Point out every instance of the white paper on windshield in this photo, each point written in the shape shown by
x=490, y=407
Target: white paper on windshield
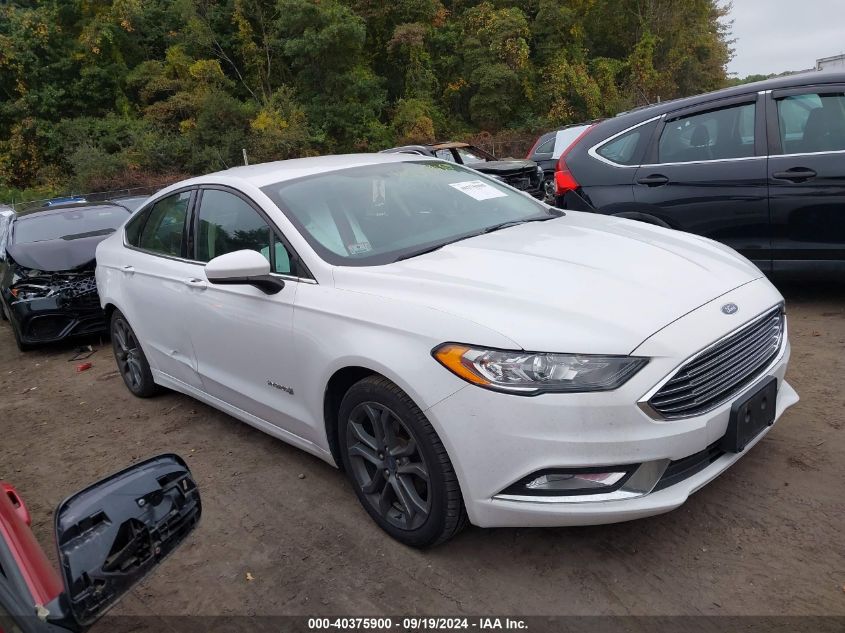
x=478, y=189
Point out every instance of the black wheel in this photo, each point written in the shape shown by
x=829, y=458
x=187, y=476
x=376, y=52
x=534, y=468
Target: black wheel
x=24, y=347
x=398, y=465
x=131, y=362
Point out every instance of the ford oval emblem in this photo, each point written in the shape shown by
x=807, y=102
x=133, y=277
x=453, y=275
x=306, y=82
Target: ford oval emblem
x=730, y=308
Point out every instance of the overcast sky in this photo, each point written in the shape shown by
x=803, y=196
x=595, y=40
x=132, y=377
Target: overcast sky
x=777, y=35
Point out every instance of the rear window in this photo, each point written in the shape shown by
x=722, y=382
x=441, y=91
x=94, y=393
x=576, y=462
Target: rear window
x=566, y=137
x=546, y=147
x=69, y=224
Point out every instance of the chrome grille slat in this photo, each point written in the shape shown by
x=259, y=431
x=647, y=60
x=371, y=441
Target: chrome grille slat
x=737, y=377
x=750, y=341
x=684, y=383
x=717, y=373
x=761, y=348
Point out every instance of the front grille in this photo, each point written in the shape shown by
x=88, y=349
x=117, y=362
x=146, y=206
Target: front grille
x=524, y=180
x=681, y=469
x=723, y=369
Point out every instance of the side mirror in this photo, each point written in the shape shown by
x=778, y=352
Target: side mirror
x=243, y=268
x=112, y=534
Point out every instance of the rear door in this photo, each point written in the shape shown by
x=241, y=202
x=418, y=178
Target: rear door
x=806, y=176
x=159, y=287
x=705, y=173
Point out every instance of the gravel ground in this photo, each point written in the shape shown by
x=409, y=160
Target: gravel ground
x=282, y=533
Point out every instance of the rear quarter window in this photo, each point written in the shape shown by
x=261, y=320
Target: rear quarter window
x=622, y=150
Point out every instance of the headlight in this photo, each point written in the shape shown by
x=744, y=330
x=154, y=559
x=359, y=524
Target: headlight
x=29, y=291
x=528, y=373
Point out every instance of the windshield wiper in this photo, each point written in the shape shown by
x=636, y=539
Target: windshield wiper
x=430, y=249
x=510, y=223
x=489, y=229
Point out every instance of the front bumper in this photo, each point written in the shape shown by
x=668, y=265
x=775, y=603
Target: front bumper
x=496, y=439
x=56, y=318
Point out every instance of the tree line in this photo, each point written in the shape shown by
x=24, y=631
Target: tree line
x=111, y=93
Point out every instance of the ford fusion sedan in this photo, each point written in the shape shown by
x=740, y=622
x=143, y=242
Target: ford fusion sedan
x=463, y=351
x=47, y=287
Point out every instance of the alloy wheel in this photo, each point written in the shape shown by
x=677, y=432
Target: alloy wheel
x=387, y=464
x=128, y=354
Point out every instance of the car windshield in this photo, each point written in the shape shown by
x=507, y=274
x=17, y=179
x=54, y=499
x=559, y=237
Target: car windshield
x=377, y=214
x=69, y=224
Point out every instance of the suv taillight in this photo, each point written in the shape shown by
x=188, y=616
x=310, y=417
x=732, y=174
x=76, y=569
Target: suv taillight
x=564, y=180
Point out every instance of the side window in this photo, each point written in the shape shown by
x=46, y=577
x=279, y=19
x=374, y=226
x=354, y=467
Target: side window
x=713, y=135
x=812, y=123
x=621, y=149
x=227, y=223
x=165, y=227
x=445, y=154
x=134, y=226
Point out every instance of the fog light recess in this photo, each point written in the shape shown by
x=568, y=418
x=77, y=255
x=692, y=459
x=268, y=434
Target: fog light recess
x=572, y=481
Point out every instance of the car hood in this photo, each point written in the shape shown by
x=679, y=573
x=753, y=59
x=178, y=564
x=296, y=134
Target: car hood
x=582, y=283
x=502, y=167
x=56, y=255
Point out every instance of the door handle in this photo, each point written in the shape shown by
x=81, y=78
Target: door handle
x=796, y=174
x=128, y=269
x=654, y=180
x=195, y=282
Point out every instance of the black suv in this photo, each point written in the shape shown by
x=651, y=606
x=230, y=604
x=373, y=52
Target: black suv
x=760, y=167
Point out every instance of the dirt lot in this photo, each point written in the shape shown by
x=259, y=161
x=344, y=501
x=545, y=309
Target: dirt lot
x=765, y=538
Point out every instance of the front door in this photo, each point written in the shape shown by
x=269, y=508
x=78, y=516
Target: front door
x=806, y=175
x=707, y=175
x=242, y=336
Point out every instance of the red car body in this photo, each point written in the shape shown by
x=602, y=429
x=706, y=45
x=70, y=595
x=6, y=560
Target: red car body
x=41, y=578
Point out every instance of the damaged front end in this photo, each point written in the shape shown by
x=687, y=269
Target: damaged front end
x=524, y=175
x=50, y=306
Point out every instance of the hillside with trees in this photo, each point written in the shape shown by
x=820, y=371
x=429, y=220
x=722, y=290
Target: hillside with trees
x=97, y=94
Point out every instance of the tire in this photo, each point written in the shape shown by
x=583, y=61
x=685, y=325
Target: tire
x=131, y=362
x=23, y=347
x=397, y=464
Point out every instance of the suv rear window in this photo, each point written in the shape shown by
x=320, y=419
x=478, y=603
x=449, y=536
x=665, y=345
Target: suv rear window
x=712, y=135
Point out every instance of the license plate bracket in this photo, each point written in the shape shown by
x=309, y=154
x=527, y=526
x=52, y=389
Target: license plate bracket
x=750, y=415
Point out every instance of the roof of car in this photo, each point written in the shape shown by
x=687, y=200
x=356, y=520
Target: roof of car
x=788, y=81
x=263, y=174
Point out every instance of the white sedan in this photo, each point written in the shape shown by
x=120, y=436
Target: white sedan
x=463, y=351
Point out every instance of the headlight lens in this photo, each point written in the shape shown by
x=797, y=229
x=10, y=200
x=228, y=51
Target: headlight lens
x=528, y=373
x=28, y=291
